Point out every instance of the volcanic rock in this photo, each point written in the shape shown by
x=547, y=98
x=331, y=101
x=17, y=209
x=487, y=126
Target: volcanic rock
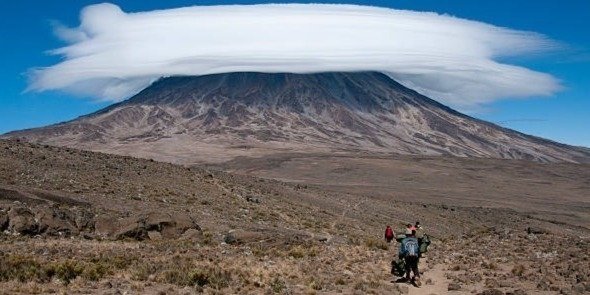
x=22, y=220
x=215, y=118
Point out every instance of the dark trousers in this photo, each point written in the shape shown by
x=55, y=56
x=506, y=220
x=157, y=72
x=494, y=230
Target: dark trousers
x=412, y=266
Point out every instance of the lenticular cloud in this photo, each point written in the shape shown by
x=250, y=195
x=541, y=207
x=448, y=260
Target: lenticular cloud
x=113, y=55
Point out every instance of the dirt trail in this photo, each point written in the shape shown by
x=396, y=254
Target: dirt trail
x=439, y=282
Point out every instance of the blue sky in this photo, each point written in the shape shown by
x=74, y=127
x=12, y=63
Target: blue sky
x=26, y=33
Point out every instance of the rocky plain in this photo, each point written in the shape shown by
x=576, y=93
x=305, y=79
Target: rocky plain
x=80, y=222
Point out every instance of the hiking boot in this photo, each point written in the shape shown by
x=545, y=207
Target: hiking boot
x=417, y=282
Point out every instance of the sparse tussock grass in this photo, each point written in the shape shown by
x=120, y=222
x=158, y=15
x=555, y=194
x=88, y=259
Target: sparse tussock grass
x=297, y=252
x=490, y=265
x=518, y=270
x=456, y=267
x=28, y=269
x=23, y=269
x=301, y=251
x=278, y=285
x=141, y=271
x=375, y=244
x=207, y=238
x=315, y=284
x=188, y=274
x=360, y=286
x=65, y=271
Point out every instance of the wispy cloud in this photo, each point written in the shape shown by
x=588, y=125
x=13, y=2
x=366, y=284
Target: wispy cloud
x=113, y=54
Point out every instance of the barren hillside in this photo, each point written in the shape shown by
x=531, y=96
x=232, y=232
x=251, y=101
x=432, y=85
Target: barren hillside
x=83, y=222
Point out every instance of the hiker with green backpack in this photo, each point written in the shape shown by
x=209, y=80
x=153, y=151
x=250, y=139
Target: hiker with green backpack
x=423, y=239
x=410, y=251
x=398, y=266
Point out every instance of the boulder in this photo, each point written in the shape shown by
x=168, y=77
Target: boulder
x=105, y=226
x=181, y=222
x=536, y=230
x=253, y=199
x=454, y=287
x=156, y=221
x=401, y=289
x=53, y=221
x=491, y=283
x=322, y=239
x=153, y=225
x=22, y=220
x=579, y=288
x=154, y=235
x=83, y=219
x=130, y=227
x=491, y=292
x=3, y=220
x=236, y=237
x=230, y=239
x=191, y=234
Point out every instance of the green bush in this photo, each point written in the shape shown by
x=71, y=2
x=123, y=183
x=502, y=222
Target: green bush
x=66, y=271
x=26, y=269
x=278, y=285
x=21, y=268
x=141, y=271
x=96, y=271
x=210, y=276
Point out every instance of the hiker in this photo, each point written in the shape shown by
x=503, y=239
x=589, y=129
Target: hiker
x=410, y=251
x=389, y=234
x=419, y=232
x=423, y=239
x=409, y=226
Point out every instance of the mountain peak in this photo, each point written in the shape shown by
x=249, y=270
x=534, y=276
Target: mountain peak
x=217, y=117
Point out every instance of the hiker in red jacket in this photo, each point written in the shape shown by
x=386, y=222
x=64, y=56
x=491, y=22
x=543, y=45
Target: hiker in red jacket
x=389, y=234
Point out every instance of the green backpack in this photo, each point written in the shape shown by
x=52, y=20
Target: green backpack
x=398, y=267
x=425, y=244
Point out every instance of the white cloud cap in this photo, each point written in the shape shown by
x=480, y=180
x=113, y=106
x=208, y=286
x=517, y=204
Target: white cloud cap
x=113, y=55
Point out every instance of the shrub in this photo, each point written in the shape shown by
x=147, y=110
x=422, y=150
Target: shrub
x=219, y=278
x=95, y=271
x=375, y=244
x=21, y=268
x=490, y=265
x=315, y=285
x=278, y=285
x=198, y=277
x=142, y=271
x=211, y=276
x=66, y=271
x=518, y=270
x=297, y=252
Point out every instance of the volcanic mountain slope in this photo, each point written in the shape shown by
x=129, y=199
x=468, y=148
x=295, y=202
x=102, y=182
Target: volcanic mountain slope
x=215, y=118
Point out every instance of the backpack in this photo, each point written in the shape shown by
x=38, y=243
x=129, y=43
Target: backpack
x=425, y=244
x=389, y=233
x=398, y=267
x=411, y=246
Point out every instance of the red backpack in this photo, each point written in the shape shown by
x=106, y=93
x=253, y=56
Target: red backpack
x=388, y=233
